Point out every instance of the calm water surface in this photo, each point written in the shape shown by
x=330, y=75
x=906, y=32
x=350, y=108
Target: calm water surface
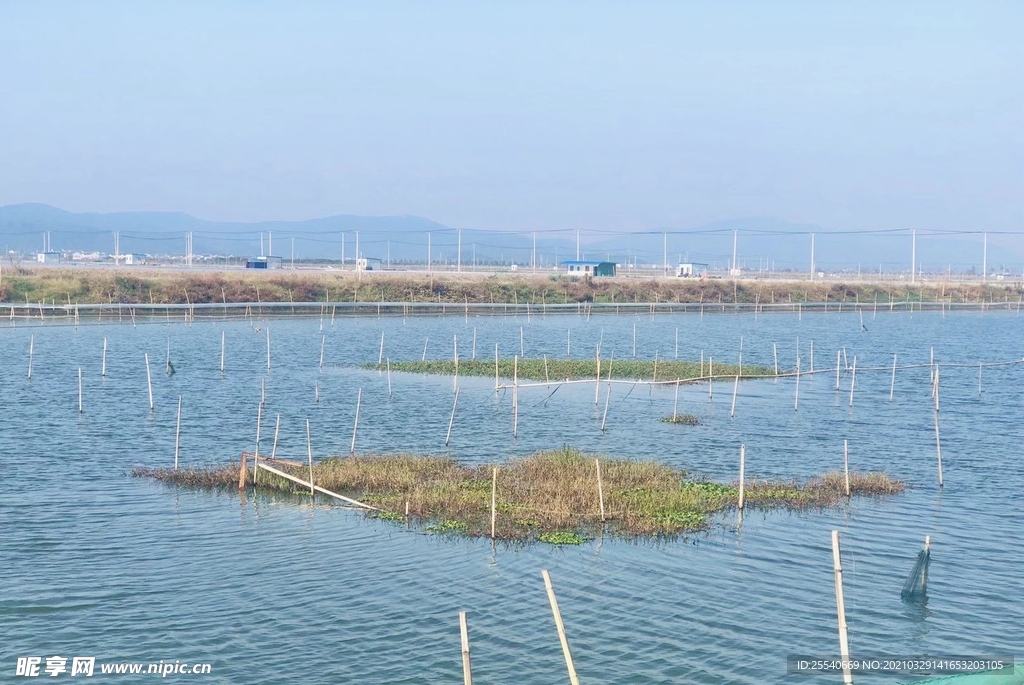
x=97, y=563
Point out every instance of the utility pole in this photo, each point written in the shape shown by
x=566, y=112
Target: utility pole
x=665, y=238
x=913, y=255
x=262, y=253
x=270, y=243
x=735, y=234
x=984, y=257
x=458, y=259
x=357, y=250
x=812, y=257
x=117, y=247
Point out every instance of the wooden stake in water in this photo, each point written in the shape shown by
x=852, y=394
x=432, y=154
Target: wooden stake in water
x=241, y=473
x=775, y=356
x=675, y=401
x=735, y=387
x=811, y=361
x=515, y=397
x=892, y=383
x=316, y=391
x=355, y=426
x=522, y=344
x=31, y=351
x=853, y=378
x=938, y=447
x=79, y=389
x=796, y=393
x=597, y=379
x=844, y=645
x=467, y=670
x=846, y=466
x=177, y=434
x=309, y=451
x=451, y=420
x=424, y=357
x=600, y=488
x=711, y=378
x=256, y=454
x=149, y=382
x=323, y=341
x=494, y=500
x=936, y=390
x=388, y=364
x=277, y=430
x=222, y=334
x=380, y=356
x=103, y=368
x=573, y=679
x=568, y=342
x=838, y=359
x=607, y=399
x=743, y=464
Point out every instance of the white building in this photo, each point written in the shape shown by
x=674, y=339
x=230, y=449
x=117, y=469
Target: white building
x=48, y=257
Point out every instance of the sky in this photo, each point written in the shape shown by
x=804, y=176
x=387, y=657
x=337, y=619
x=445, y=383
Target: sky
x=521, y=116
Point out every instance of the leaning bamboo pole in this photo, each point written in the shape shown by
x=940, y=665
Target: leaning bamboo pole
x=355, y=426
x=600, y=488
x=844, y=644
x=263, y=466
x=573, y=679
x=467, y=670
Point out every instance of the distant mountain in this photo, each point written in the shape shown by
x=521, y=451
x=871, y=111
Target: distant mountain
x=763, y=242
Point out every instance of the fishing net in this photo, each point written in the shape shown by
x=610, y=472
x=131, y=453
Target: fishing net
x=917, y=581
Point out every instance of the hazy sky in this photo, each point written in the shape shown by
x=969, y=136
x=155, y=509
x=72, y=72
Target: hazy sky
x=520, y=115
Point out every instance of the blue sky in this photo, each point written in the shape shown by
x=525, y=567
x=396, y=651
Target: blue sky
x=520, y=116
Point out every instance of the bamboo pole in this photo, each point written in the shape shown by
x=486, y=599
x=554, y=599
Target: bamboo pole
x=380, y=356
x=811, y=353
x=316, y=488
x=546, y=378
x=31, y=351
x=853, y=378
x=573, y=680
x=277, y=430
x=838, y=358
x=846, y=466
x=467, y=671
x=743, y=463
x=256, y=454
x=844, y=645
x=494, y=500
x=424, y=357
x=309, y=451
x=675, y=401
x=149, y=380
x=892, y=383
x=323, y=341
x=455, y=351
x=451, y=420
x=938, y=447
x=515, y=397
x=177, y=435
x=522, y=344
x=936, y=392
x=775, y=355
x=355, y=426
x=711, y=378
x=388, y=363
x=796, y=392
x=735, y=387
x=597, y=380
x=600, y=488
x=103, y=368
x=607, y=399
x=316, y=391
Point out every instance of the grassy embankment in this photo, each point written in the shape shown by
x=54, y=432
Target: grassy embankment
x=580, y=369
x=548, y=496
x=145, y=286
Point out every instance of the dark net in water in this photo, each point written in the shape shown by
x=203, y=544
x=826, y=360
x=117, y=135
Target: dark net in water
x=917, y=581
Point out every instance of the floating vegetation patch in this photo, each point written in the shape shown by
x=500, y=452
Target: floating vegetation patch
x=549, y=497
x=681, y=419
x=554, y=370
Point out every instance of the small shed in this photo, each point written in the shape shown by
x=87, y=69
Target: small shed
x=263, y=263
x=132, y=259
x=589, y=267
x=691, y=270
x=48, y=257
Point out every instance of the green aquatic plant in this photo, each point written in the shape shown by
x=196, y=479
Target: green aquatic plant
x=681, y=419
x=562, y=537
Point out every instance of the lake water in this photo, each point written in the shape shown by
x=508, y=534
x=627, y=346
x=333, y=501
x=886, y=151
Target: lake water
x=98, y=563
